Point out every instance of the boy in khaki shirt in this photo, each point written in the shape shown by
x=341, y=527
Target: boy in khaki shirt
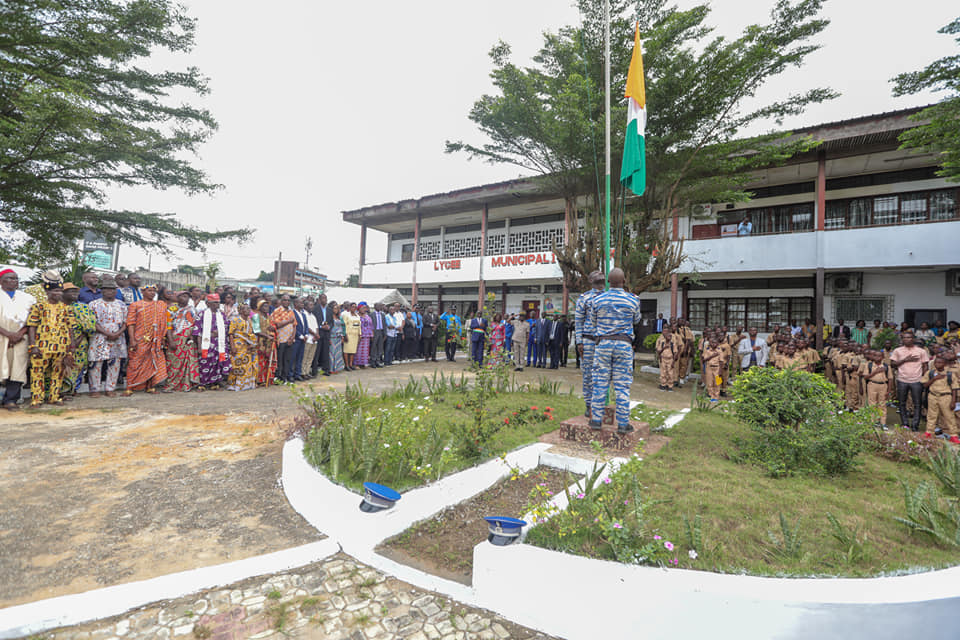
x=668, y=348
x=711, y=366
x=876, y=381
x=942, y=386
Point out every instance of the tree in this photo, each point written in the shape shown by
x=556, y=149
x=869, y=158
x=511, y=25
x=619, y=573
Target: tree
x=353, y=280
x=940, y=131
x=79, y=113
x=211, y=270
x=190, y=270
x=548, y=119
x=265, y=276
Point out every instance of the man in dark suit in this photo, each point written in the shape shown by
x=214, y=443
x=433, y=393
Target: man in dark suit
x=558, y=332
x=379, y=340
x=324, y=314
x=430, y=323
x=543, y=341
x=478, y=337
x=841, y=330
x=661, y=323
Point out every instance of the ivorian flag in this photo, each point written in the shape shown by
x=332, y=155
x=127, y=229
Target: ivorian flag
x=633, y=172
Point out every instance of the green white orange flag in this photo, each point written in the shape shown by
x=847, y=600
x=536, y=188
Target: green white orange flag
x=633, y=171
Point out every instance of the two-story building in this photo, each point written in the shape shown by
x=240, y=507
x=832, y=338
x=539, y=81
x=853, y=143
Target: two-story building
x=857, y=227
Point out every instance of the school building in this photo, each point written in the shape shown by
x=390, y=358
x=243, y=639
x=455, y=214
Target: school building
x=855, y=229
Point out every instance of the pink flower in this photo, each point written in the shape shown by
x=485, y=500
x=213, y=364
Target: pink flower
x=581, y=496
x=617, y=525
x=607, y=481
x=657, y=538
x=668, y=545
x=674, y=561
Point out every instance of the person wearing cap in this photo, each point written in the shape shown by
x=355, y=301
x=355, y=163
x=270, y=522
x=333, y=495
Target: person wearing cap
x=584, y=334
x=146, y=334
x=454, y=328
x=183, y=373
x=266, y=345
x=50, y=341
x=14, y=309
x=210, y=334
x=613, y=316
x=107, y=345
x=84, y=325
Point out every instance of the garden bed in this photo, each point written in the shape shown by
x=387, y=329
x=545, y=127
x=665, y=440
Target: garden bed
x=414, y=436
x=733, y=511
x=443, y=544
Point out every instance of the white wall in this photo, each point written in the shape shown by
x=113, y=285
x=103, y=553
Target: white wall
x=923, y=290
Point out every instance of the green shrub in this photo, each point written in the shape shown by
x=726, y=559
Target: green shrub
x=929, y=515
x=650, y=342
x=880, y=337
x=798, y=423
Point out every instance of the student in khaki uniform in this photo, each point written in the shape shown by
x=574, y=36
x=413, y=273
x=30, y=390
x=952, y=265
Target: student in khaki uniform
x=711, y=367
x=876, y=380
x=850, y=384
x=667, y=348
x=686, y=352
x=942, y=386
x=828, y=371
x=727, y=353
x=734, y=340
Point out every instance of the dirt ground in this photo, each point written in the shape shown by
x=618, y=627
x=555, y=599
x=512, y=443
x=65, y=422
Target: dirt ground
x=112, y=490
x=443, y=544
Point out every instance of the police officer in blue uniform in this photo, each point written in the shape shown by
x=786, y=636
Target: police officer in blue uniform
x=614, y=312
x=584, y=337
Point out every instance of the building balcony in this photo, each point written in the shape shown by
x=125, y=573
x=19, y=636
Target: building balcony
x=495, y=268
x=931, y=244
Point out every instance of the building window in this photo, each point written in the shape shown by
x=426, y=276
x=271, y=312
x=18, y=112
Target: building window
x=854, y=309
x=761, y=313
x=536, y=240
x=406, y=253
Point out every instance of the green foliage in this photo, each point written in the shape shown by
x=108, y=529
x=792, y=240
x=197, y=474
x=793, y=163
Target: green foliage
x=798, y=423
x=650, y=342
x=80, y=113
x=881, y=337
x=693, y=532
x=850, y=540
x=939, y=131
x=72, y=272
x=548, y=118
x=789, y=544
x=654, y=417
x=945, y=466
x=927, y=514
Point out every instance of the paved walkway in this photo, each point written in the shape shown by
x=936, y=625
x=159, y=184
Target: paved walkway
x=338, y=598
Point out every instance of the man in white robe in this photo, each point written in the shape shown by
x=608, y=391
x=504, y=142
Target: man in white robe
x=14, y=358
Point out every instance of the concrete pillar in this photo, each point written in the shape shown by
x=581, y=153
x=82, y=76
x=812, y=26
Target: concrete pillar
x=673, y=276
x=363, y=249
x=821, y=225
x=566, y=240
x=482, y=289
x=416, y=257
x=506, y=236
x=443, y=238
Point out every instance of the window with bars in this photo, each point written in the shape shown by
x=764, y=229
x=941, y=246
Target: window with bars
x=761, y=313
x=429, y=250
x=854, y=309
x=461, y=247
x=496, y=244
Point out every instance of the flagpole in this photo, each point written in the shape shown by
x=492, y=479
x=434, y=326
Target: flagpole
x=606, y=136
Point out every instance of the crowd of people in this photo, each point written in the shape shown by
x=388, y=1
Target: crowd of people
x=917, y=370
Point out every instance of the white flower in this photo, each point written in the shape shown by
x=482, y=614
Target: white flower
x=399, y=444
x=692, y=553
x=446, y=448
x=426, y=397
x=386, y=446
x=415, y=418
x=428, y=466
x=420, y=407
x=400, y=405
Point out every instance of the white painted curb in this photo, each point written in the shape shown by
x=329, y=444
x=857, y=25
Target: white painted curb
x=35, y=617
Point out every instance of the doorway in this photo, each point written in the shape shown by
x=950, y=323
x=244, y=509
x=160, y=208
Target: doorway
x=532, y=308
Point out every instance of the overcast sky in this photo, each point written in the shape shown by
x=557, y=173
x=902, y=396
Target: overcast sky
x=325, y=107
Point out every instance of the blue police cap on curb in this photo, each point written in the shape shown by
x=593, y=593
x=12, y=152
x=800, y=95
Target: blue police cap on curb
x=503, y=530
x=377, y=497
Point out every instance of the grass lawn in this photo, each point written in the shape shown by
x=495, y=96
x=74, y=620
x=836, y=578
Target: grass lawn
x=740, y=507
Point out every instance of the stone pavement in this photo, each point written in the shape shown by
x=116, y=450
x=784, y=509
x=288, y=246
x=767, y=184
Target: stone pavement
x=336, y=599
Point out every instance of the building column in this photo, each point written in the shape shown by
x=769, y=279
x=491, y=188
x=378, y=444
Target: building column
x=482, y=289
x=566, y=241
x=821, y=225
x=506, y=236
x=416, y=256
x=439, y=299
x=503, y=297
x=363, y=250
x=673, y=276
x=443, y=239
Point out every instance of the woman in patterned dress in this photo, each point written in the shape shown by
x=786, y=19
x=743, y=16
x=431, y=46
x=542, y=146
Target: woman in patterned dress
x=84, y=325
x=498, y=334
x=337, y=331
x=243, y=351
x=266, y=345
x=210, y=334
x=182, y=371
x=49, y=341
x=146, y=330
x=229, y=307
x=366, y=335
